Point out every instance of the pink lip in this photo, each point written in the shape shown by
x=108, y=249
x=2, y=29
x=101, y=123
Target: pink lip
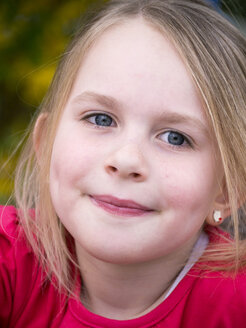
x=119, y=206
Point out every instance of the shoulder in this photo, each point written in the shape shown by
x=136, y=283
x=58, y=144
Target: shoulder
x=14, y=249
x=8, y=218
x=228, y=285
x=13, y=260
x=9, y=228
x=24, y=285
x=22, y=281
x=13, y=242
x=12, y=236
x=222, y=299
x=16, y=256
x=220, y=295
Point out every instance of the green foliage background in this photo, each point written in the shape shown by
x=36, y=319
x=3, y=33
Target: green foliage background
x=32, y=36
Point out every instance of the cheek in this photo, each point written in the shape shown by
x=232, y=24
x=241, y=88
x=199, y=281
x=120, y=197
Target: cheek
x=72, y=163
x=71, y=160
x=184, y=184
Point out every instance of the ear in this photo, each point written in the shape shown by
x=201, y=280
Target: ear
x=221, y=204
x=38, y=133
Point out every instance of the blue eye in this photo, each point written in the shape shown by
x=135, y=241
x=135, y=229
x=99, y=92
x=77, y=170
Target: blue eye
x=100, y=119
x=175, y=139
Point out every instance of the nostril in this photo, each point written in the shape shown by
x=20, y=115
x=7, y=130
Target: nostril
x=135, y=175
x=112, y=168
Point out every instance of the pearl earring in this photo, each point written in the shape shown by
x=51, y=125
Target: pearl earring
x=217, y=216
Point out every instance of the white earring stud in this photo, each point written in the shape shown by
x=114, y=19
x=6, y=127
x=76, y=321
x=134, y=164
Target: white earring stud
x=217, y=216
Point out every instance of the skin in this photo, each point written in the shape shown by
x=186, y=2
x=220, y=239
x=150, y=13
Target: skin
x=133, y=158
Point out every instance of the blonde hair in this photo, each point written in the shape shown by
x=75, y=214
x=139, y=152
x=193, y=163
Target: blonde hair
x=214, y=52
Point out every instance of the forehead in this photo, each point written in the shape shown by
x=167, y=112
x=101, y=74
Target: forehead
x=135, y=62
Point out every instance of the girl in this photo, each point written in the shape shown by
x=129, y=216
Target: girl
x=135, y=159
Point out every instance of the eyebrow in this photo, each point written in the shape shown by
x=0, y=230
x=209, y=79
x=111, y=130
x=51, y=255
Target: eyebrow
x=106, y=101
x=176, y=118
x=170, y=117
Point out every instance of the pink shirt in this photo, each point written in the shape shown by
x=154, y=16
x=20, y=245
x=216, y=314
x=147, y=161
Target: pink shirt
x=212, y=301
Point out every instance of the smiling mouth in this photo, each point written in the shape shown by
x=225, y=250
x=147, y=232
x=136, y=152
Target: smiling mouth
x=119, y=207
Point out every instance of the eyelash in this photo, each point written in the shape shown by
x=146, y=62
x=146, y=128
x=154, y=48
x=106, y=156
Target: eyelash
x=187, y=142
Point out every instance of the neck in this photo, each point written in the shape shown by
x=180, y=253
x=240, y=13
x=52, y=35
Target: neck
x=124, y=292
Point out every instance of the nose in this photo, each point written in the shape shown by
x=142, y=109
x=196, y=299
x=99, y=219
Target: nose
x=127, y=162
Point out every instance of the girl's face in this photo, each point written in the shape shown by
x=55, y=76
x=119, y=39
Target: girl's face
x=133, y=129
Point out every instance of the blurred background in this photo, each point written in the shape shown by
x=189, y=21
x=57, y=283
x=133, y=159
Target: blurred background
x=33, y=34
